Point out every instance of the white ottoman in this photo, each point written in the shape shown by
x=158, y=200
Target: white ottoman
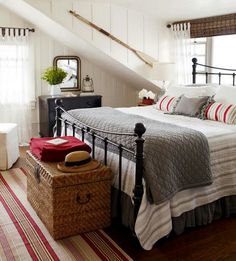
x=9, y=147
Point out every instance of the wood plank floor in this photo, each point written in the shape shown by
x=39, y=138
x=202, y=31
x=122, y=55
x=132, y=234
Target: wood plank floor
x=216, y=241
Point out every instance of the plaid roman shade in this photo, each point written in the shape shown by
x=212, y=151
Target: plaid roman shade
x=212, y=26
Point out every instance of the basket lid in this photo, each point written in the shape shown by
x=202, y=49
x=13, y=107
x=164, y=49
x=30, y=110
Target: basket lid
x=56, y=178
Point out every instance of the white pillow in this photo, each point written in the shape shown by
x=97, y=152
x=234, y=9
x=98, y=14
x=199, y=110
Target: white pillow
x=191, y=91
x=226, y=94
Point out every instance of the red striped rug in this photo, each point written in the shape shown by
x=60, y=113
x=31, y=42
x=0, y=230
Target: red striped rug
x=24, y=237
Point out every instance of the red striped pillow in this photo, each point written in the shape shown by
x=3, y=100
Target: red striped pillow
x=221, y=112
x=167, y=103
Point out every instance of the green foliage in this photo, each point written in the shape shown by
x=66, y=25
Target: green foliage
x=54, y=75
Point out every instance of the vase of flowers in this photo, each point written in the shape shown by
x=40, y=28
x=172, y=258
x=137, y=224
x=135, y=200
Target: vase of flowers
x=54, y=76
x=146, y=97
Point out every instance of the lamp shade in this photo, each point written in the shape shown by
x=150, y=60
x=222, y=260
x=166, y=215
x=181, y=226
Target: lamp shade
x=163, y=71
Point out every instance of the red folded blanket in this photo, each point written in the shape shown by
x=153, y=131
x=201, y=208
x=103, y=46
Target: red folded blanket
x=51, y=152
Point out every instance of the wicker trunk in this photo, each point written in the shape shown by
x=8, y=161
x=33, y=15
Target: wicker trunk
x=69, y=203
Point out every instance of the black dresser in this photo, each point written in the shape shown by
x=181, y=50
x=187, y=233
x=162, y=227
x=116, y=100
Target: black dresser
x=47, y=111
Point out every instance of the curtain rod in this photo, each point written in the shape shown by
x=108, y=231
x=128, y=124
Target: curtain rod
x=17, y=28
x=182, y=22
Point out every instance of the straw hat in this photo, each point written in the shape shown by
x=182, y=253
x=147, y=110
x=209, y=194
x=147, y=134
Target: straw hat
x=78, y=161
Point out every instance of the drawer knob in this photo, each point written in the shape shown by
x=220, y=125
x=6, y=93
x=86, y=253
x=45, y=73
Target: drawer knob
x=89, y=103
x=83, y=199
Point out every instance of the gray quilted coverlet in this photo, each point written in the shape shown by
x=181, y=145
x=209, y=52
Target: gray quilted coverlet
x=176, y=158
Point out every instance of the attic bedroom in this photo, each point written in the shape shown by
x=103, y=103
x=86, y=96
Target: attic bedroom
x=117, y=130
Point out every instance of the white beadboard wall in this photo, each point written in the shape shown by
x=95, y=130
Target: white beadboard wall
x=115, y=92
x=141, y=31
x=138, y=30
x=104, y=83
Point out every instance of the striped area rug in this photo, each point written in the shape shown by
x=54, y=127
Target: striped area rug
x=24, y=237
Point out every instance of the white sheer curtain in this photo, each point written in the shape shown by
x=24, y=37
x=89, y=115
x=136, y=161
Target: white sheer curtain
x=17, y=90
x=182, y=52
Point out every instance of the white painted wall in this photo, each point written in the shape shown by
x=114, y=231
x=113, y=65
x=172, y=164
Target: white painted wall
x=104, y=83
x=134, y=28
x=47, y=48
x=141, y=33
x=138, y=30
x=115, y=92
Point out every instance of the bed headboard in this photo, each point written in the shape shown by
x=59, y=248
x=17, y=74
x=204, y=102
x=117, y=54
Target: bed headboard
x=221, y=71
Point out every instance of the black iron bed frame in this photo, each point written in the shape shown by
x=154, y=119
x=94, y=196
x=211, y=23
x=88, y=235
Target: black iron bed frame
x=139, y=130
x=209, y=72
x=138, y=154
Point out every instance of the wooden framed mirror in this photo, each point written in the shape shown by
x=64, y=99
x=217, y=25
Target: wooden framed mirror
x=71, y=65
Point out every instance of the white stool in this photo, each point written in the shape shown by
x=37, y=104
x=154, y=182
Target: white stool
x=9, y=147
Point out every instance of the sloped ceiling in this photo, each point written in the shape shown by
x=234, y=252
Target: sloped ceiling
x=176, y=10
x=166, y=10
x=86, y=50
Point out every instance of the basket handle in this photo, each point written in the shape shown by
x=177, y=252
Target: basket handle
x=84, y=199
x=37, y=174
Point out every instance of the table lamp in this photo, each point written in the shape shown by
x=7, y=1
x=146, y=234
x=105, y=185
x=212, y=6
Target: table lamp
x=163, y=72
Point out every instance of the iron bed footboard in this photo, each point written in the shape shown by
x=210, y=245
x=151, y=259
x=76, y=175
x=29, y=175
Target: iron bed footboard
x=138, y=154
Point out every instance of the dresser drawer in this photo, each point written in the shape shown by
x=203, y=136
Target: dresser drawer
x=82, y=102
x=71, y=103
x=47, y=110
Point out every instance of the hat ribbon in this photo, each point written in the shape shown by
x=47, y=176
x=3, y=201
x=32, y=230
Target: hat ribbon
x=77, y=163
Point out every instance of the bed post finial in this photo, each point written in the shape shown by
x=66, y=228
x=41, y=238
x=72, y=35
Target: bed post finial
x=58, y=103
x=139, y=130
x=194, y=66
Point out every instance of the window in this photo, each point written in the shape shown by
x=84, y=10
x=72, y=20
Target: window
x=17, y=89
x=199, y=49
x=14, y=64
x=224, y=55
x=218, y=51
